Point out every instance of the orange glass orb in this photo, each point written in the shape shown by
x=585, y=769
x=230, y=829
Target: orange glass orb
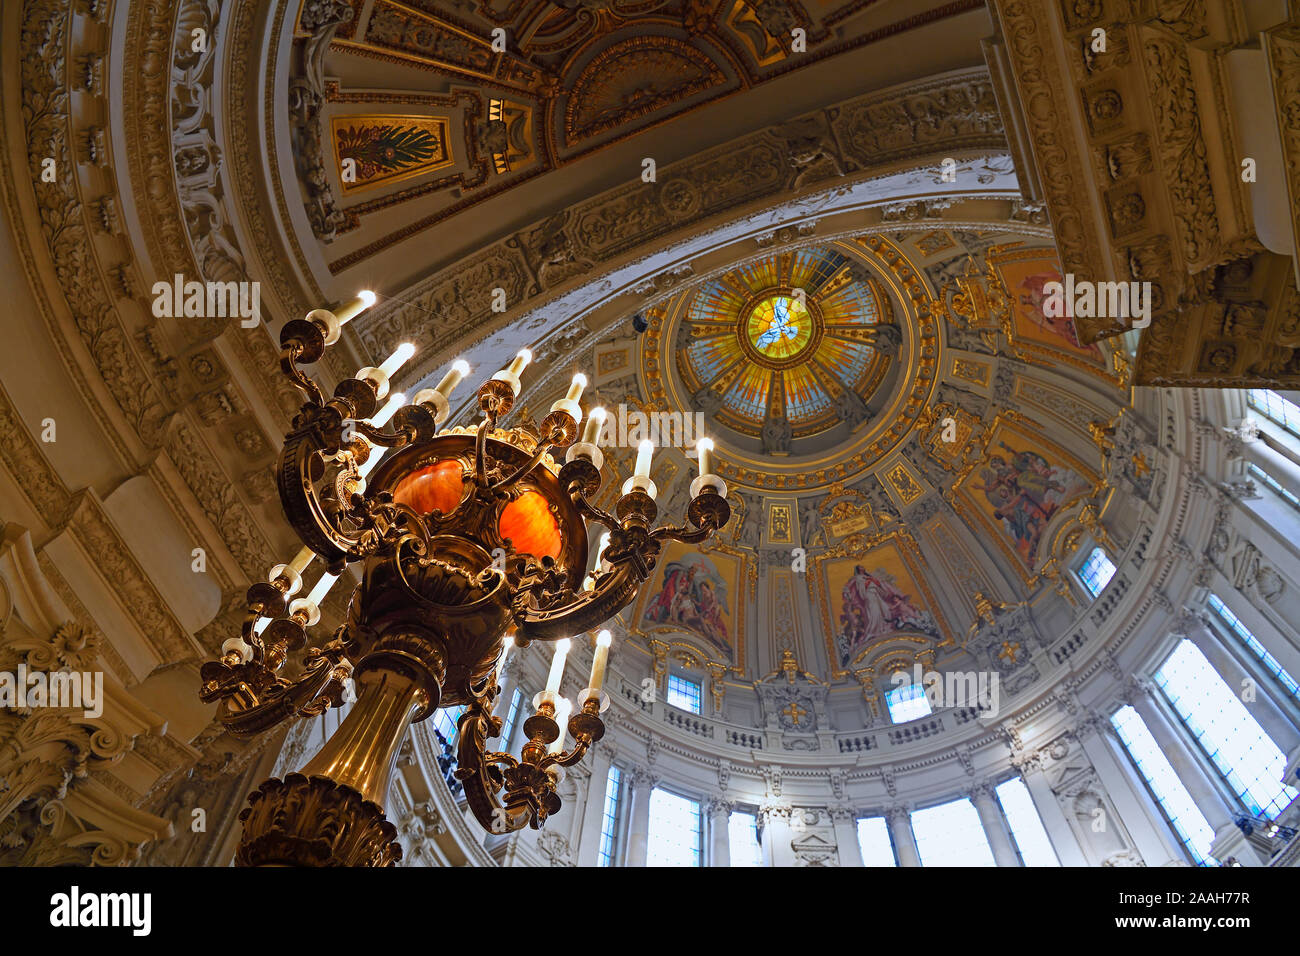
x=436, y=487
x=530, y=526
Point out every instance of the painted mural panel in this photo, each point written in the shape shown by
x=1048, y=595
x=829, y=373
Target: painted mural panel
x=699, y=593
x=1022, y=483
x=388, y=149
x=874, y=595
x=1024, y=276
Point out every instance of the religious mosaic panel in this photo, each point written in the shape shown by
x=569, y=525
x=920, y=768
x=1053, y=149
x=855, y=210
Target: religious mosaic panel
x=1028, y=327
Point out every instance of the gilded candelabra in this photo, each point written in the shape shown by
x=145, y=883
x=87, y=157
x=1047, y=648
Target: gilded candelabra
x=465, y=537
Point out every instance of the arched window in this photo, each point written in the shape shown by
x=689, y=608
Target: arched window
x=684, y=694
x=444, y=721
x=609, y=821
x=1247, y=758
x=1234, y=626
x=675, y=833
x=1027, y=831
x=1177, y=805
x=951, y=834
x=875, y=842
x=512, y=715
x=742, y=837
x=907, y=702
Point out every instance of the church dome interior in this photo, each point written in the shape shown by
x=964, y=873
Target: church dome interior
x=623, y=433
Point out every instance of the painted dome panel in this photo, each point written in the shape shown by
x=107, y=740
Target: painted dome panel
x=747, y=395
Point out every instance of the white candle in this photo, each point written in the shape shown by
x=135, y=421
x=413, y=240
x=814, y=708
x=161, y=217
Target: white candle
x=600, y=549
x=520, y=362
x=302, y=559
x=704, y=449
x=563, y=707
x=557, y=666
x=385, y=414
x=322, y=588
x=643, y=453
x=397, y=359
x=354, y=307
x=459, y=369
x=595, y=421
x=576, y=386
x=601, y=658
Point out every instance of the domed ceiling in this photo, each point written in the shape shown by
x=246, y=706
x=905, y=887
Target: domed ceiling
x=914, y=452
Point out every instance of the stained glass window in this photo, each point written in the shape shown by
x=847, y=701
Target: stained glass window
x=1244, y=754
x=675, y=835
x=796, y=323
x=1096, y=571
x=1171, y=796
x=780, y=327
x=685, y=694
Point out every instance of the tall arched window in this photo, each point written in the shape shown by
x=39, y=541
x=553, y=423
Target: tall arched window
x=1171, y=796
x=675, y=833
x=951, y=834
x=1234, y=626
x=1247, y=758
x=742, y=839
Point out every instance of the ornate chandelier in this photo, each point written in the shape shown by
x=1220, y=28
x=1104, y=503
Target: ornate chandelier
x=468, y=538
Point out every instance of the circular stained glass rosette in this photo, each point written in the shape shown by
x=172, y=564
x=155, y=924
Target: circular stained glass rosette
x=790, y=331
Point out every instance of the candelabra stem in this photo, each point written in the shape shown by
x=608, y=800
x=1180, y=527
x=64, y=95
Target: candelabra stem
x=332, y=813
x=363, y=751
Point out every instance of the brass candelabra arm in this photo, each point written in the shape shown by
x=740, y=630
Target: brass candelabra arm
x=708, y=511
x=482, y=773
x=289, y=356
x=558, y=429
x=586, y=727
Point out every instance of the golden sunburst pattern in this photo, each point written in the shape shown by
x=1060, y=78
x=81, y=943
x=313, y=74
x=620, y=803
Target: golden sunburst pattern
x=782, y=336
